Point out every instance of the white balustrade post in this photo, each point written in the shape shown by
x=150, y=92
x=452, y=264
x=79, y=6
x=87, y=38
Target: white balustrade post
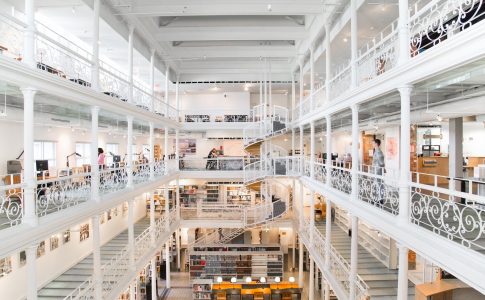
x=300, y=264
x=151, y=141
x=355, y=152
x=167, y=74
x=177, y=99
x=30, y=197
x=311, y=284
x=177, y=244
x=302, y=156
x=95, y=174
x=165, y=150
x=353, y=42
x=312, y=76
x=153, y=267
x=402, y=279
x=405, y=158
x=152, y=79
x=95, y=47
x=328, y=62
x=293, y=97
x=167, y=208
x=152, y=218
x=312, y=217
x=301, y=90
x=133, y=290
x=131, y=37
x=403, y=25
x=131, y=233
x=29, y=34
x=97, y=275
x=177, y=149
x=328, y=232
x=354, y=257
x=167, y=255
x=177, y=197
x=31, y=264
x=270, y=91
x=328, y=161
x=327, y=291
x=312, y=149
x=129, y=151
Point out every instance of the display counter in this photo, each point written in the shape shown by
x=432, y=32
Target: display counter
x=433, y=165
x=256, y=291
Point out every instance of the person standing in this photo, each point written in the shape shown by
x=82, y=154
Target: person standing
x=378, y=169
x=101, y=158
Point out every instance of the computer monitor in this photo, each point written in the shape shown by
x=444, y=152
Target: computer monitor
x=116, y=158
x=42, y=165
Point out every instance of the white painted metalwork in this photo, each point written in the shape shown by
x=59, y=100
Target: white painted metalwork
x=341, y=177
x=340, y=83
x=379, y=187
x=11, y=204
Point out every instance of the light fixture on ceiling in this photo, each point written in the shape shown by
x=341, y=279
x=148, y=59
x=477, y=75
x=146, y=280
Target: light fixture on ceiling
x=248, y=279
x=277, y=279
x=73, y=10
x=262, y=279
x=345, y=40
x=286, y=140
x=270, y=8
x=439, y=118
x=219, y=279
x=246, y=88
x=233, y=280
x=292, y=279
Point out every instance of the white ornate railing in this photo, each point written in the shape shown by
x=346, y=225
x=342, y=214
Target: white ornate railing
x=11, y=36
x=340, y=83
x=254, y=171
x=286, y=166
x=11, y=204
x=213, y=211
x=341, y=177
x=379, y=187
x=320, y=170
x=113, y=179
x=234, y=163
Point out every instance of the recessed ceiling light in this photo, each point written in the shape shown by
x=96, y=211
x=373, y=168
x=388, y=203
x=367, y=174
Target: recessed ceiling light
x=345, y=40
x=269, y=7
x=372, y=28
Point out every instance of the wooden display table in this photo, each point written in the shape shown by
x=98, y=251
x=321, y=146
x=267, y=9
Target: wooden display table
x=439, y=290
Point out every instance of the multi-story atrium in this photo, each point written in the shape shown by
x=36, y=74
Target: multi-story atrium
x=242, y=149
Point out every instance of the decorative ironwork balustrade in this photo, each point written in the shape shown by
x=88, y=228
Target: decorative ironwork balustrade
x=340, y=83
x=11, y=204
x=341, y=178
x=379, y=187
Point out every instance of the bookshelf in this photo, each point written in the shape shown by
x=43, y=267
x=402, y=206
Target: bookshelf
x=201, y=289
x=212, y=193
x=237, y=195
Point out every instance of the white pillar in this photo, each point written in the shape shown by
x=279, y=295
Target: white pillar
x=405, y=159
x=311, y=284
x=293, y=97
x=328, y=232
x=129, y=150
x=167, y=207
x=151, y=140
x=152, y=218
x=270, y=90
x=95, y=174
x=312, y=216
x=355, y=152
x=302, y=90
x=152, y=79
x=403, y=25
x=167, y=74
x=328, y=161
x=312, y=77
x=177, y=99
x=167, y=255
x=293, y=144
x=300, y=265
x=322, y=284
x=312, y=149
x=327, y=291
x=29, y=34
x=177, y=197
x=31, y=264
x=165, y=149
x=97, y=275
x=95, y=47
x=354, y=246
x=328, y=57
x=455, y=151
x=353, y=42
x=30, y=197
x=153, y=266
x=177, y=149
x=131, y=233
x=177, y=244
x=132, y=290
x=293, y=253
x=131, y=35
x=302, y=156
x=402, y=280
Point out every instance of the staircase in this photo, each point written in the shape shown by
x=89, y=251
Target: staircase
x=63, y=285
x=382, y=282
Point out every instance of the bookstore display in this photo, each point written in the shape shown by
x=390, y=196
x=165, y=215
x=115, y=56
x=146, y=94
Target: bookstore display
x=238, y=195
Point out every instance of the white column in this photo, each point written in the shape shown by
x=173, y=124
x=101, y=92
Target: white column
x=131, y=233
x=153, y=266
x=131, y=35
x=312, y=216
x=129, y=150
x=152, y=218
x=328, y=232
x=94, y=154
x=302, y=89
x=177, y=244
x=293, y=144
x=167, y=255
x=132, y=290
x=165, y=149
x=177, y=99
x=355, y=152
x=312, y=76
x=29, y=34
x=167, y=207
x=311, y=284
x=261, y=108
x=354, y=256
x=177, y=197
x=328, y=161
x=152, y=78
x=31, y=264
x=353, y=42
x=455, y=151
x=151, y=140
x=327, y=291
x=302, y=156
x=167, y=74
x=97, y=275
x=300, y=266
x=270, y=91
x=328, y=57
x=95, y=47
x=405, y=158
x=30, y=198
x=402, y=280
x=177, y=149
x=322, y=284
x=293, y=97
x=293, y=253
x=403, y=25
x=312, y=149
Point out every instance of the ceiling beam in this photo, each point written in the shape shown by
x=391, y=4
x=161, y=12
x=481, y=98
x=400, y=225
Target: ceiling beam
x=223, y=8
x=166, y=34
x=233, y=52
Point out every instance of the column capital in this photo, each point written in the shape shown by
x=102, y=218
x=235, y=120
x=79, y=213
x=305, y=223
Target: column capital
x=129, y=118
x=95, y=108
x=131, y=29
x=151, y=124
x=328, y=118
x=401, y=247
x=28, y=90
x=355, y=107
x=405, y=88
x=153, y=52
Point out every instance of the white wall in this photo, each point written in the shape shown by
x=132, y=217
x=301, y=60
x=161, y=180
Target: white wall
x=278, y=99
x=54, y=263
x=234, y=102
x=473, y=138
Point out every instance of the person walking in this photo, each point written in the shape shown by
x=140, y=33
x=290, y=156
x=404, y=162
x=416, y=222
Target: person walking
x=378, y=169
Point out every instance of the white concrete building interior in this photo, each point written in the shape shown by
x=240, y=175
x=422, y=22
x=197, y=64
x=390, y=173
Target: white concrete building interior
x=242, y=149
